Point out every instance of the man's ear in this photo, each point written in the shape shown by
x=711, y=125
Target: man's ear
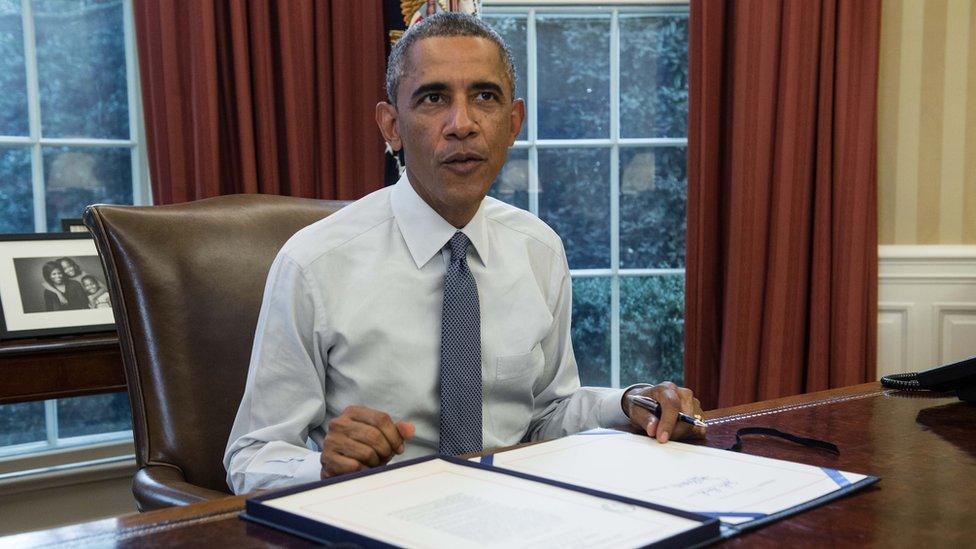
x=386, y=117
x=517, y=117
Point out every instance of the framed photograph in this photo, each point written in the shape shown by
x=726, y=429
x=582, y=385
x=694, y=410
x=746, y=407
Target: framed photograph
x=52, y=284
x=73, y=225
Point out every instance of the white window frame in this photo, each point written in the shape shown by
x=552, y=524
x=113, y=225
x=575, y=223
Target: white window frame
x=140, y=179
x=141, y=194
x=614, y=143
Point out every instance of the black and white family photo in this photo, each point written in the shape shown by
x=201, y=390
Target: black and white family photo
x=61, y=283
x=52, y=284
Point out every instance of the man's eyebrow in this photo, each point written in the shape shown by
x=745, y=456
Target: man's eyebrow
x=424, y=89
x=487, y=85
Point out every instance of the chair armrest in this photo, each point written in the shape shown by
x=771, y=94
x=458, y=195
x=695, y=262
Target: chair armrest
x=157, y=486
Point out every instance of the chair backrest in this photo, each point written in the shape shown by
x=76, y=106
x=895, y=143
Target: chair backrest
x=186, y=283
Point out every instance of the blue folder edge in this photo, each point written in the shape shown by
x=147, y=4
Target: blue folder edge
x=255, y=510
x=729, y=530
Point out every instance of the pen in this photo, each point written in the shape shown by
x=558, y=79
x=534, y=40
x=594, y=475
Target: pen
x=654, y=407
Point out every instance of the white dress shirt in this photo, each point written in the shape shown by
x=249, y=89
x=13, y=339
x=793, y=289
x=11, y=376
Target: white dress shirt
x=352, y=315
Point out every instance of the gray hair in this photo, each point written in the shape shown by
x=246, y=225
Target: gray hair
x=443, y=24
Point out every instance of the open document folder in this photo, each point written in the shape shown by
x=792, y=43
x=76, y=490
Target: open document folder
x=446, y=502
x=741, y=490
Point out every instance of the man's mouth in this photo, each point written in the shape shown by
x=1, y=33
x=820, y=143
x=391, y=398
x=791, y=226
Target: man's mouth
x=462, y=162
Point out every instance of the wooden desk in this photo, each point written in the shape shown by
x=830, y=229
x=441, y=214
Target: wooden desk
x=922, y=446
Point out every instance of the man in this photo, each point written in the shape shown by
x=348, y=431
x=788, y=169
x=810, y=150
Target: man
x=424, y=317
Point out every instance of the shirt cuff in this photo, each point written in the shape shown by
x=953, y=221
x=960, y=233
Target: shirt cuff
x=310, y=469
x=629, y=387
x=611, y=414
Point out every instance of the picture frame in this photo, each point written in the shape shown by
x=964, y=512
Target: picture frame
x=39, y=295
x=73, y=225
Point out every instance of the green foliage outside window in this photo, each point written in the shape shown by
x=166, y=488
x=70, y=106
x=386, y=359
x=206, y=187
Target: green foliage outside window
x=652, y=329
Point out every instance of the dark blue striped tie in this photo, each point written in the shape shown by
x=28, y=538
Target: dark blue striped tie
x=460, y=423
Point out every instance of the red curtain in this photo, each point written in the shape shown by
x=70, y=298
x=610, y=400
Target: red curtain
x=781, y=288
x=261, y=96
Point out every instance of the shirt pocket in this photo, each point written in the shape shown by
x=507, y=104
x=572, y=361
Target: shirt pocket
x=520, y=366
x=510, y=401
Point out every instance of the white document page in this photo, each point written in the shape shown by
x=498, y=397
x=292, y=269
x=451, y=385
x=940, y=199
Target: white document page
x=730, y=486
x=441, y=504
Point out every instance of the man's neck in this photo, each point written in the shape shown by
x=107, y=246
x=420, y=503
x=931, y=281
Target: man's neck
x=455, y=216
x=459, y=221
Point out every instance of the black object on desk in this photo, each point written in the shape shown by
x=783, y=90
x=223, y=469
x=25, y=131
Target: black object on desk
x=958, y=376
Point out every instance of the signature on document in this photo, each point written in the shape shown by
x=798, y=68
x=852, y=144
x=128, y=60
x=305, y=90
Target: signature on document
x=700, y=486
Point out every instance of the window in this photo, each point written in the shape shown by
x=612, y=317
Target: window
x=70, y=125
x=601, y=159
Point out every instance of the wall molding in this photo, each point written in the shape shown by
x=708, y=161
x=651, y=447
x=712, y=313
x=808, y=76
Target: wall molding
x=942, y=314
x=926, y=306
x=926, y=253
x=897, y=316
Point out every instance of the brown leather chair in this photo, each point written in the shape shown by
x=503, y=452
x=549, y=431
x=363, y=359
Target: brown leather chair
x=186, y=283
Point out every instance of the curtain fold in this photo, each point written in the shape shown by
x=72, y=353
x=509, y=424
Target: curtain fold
x=781, y=284
x=261, y=97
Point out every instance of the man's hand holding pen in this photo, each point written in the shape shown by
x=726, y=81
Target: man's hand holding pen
x=664, y=411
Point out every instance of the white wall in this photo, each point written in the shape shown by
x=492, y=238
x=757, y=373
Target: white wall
x=926, y=306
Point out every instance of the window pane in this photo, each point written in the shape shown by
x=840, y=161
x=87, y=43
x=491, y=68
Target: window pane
x=79, y=176
x=16, y=194
x=13, y=77
x=574, y=199
x=654, y=76
x=91, y=415
x=591, y=329
x=574, y=76
x=81, y=68
x=512, y=30
x=20, y=423
x=652, y=329
x=653, y=192
x=512, y=184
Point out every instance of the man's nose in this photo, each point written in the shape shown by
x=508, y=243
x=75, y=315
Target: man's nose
x=461, y=123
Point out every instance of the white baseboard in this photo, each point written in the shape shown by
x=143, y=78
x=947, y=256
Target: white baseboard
x=926, y=306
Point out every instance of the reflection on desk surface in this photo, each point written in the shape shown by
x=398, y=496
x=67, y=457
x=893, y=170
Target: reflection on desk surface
x=954, y=423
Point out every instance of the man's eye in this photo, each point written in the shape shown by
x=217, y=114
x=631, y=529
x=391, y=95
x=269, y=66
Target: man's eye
x=433, y=98
x=487, y=96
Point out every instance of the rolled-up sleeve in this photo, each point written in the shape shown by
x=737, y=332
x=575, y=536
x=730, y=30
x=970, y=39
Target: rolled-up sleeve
x=283, y=401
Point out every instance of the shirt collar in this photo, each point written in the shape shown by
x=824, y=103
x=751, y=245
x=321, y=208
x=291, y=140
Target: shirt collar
x=426, y=232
